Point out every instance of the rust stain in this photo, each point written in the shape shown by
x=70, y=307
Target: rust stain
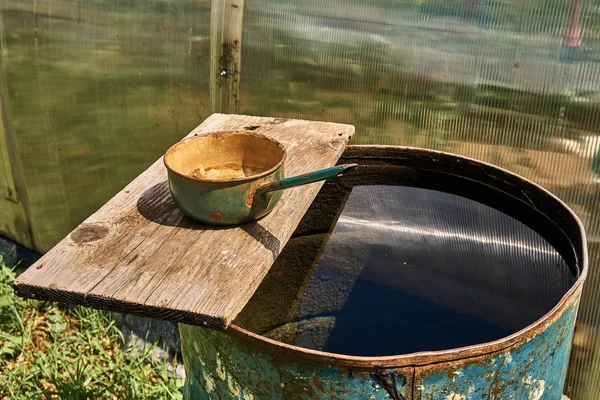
x=318, y=383
x=216, y=215
x=250, y=195
x=387, y=379
x=495, y=387
x=87, y=233
x=40, y=266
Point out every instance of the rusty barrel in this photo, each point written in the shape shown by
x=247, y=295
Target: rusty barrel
x=421, y=276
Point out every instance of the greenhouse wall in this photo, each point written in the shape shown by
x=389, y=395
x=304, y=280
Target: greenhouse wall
x=93, y=91
x=97, y=90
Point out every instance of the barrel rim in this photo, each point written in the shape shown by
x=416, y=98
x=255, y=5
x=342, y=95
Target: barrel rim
x=570, y=298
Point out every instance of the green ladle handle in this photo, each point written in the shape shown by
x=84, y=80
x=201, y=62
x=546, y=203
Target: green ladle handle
x=299, y=180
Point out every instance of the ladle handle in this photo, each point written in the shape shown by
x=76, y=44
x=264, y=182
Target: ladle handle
x=299, y=180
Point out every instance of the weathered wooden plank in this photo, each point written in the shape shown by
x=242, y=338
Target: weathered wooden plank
x=139, y=254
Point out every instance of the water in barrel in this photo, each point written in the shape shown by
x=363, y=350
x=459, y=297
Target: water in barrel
x=407, y=270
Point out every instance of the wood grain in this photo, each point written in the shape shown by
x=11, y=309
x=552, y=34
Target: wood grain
x=138, y=254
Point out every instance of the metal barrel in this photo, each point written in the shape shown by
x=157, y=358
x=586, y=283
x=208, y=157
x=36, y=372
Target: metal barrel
x=529, y=363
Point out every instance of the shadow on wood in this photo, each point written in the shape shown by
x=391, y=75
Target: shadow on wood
x=153, y=206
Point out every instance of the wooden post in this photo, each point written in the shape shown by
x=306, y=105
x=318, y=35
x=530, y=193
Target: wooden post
x=226, y=22
x=15, y=221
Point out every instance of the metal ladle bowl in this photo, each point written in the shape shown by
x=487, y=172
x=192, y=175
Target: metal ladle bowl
x=228, y=178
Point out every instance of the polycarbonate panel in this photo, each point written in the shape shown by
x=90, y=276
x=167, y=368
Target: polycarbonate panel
x=98, y=89
x=514, y=82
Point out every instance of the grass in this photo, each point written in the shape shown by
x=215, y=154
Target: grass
x=47, y=352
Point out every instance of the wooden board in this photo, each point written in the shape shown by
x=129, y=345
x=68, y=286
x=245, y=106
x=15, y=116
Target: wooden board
x=138, y=254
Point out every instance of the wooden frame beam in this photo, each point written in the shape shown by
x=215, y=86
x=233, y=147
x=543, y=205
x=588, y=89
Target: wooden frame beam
x=226, y=24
